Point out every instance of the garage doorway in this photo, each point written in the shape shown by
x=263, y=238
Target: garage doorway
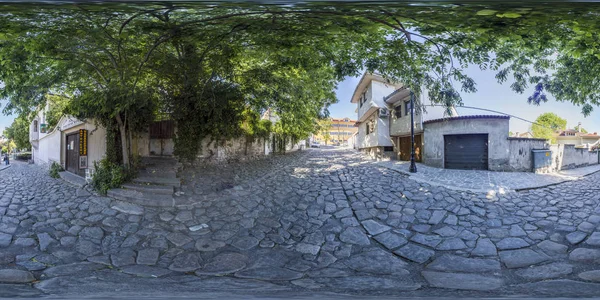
x=466, y=151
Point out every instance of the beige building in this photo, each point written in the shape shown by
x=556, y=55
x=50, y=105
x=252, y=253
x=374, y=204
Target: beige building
x=340, y=131
x=579, y=139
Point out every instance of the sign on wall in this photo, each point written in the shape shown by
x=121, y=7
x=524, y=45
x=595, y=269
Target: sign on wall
x=43, y=128
x=83, y=142
x=83, y=162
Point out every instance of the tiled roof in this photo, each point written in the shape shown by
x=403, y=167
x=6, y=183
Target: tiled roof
x=467, y=118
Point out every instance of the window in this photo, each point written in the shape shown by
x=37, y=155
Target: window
x=388, y=149
x=398, y=110
x=35, y=126
x=406, y=107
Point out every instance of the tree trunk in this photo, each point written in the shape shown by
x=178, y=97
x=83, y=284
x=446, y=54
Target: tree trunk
x=123, y=132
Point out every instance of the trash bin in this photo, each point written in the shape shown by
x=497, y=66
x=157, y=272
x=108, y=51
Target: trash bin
x=542, y=160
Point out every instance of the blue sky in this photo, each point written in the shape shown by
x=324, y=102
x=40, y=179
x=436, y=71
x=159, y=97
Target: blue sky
x=490, y=95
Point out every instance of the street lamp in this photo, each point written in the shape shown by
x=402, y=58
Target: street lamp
x=413, y=166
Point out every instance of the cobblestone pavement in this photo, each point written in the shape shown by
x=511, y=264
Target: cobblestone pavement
x=487, y=181
x=317, y=221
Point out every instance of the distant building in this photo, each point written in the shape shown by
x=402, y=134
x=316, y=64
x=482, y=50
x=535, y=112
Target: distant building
x=577, y=138
x=340, y=131
x=527, y=135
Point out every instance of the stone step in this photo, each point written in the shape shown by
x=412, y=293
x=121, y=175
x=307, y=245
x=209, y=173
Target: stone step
x=142, y=198
x=155, y=172
x=159, y=160
x=174, y=182
x=155, y=189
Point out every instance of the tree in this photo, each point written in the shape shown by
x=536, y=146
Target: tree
x=324, y=129
x=546, y=125
x=124, y=66
x=18, y=134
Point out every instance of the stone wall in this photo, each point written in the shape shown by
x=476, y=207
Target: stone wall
x=568, y=157
x=496, y=128
x=521, y=159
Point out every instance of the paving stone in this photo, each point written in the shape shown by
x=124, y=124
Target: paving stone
x=552, y=247
x=593, y=275
x=374, y=227
x=145, y=271
x=186, y=262
x=594, y=239
x=123, y=258
x=521, y=258
x=549, y=271
x=576, y=237
x=461, y=281
x=208, y=245
x=353, y=235
x=147, y=256
x=92, y=233
x=451, y=244
x=245, y=243
x=45, y=240
x=128, y=208
x=391, y=240
x=452, y=263
x=585, y=254
x=484, y=247
x=87, y=248
x=270, y=273
x=179, y=239
x=377, y=262
x=511, y=243
x=15, y=276
x=5, y=239
x=415, y=253
x=25, y=242
x=436, y=217
x=70, y=269
x=308, y=248
x=223, y=264
x=32, y=265
x=427, y=240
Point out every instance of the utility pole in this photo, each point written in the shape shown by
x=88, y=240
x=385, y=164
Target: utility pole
x=413, y=166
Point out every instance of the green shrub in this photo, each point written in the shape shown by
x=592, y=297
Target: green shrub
x=54, y=169
x=108, y=175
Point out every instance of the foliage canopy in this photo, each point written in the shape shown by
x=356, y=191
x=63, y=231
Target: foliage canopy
x=206, y=66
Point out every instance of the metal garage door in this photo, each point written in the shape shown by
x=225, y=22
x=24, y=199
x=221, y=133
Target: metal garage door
x=466, y=151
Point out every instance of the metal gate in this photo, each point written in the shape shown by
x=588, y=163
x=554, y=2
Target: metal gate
x=466, y=151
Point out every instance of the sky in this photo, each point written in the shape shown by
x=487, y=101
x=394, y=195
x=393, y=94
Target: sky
x=490, y=95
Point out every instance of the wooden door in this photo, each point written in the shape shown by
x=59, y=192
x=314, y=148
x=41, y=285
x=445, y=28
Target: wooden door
x=72, y=154
x=404, y=147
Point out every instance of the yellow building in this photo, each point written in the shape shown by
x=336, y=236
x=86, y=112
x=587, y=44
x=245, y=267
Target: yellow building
x=340, y=130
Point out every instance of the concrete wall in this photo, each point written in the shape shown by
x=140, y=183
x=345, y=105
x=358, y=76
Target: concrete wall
x=47, y=149
x=520, y=153
x=498, y=145
x=376, y=91
x=568, y=157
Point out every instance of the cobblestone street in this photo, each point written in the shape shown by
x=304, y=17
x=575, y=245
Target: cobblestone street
x=321, y=220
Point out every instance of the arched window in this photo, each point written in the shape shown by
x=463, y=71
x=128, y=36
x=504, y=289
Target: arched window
x=35, y=126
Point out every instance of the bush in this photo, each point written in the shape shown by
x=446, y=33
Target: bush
x=108, y=175
x=54, y=169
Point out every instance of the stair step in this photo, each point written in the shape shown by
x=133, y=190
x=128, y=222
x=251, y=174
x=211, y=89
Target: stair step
x=175, y=182
x=155, y=189
x=142, y=198
x=157, y=173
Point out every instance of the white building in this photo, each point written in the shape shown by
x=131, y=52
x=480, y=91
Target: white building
x=72, y=143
